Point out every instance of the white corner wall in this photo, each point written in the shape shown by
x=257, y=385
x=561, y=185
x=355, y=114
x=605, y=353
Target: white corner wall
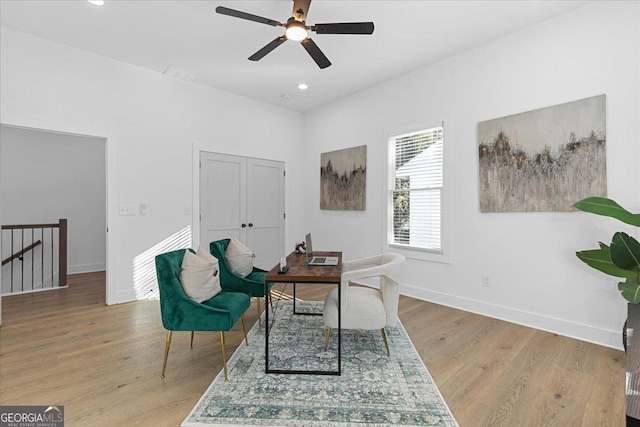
x=151, y=123
x=536, y=279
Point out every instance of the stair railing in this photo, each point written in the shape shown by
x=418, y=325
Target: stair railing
x=37, y=254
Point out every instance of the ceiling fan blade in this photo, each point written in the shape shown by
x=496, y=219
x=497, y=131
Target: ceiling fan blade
x=344, y=28
x=300, y=9
x=243, y=15
x=315, y=53
x=268, y=48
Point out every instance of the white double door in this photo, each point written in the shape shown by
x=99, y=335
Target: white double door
x=243, y=197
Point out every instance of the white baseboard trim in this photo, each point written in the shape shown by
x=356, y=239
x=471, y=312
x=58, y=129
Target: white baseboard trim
x=579, y=331
x=30, y=291
x=86, y=268
x=126, y=296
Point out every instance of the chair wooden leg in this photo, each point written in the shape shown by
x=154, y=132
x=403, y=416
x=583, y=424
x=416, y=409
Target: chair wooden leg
x=166, y=352
x=386, y=344
x=224, y=355
x=326, y=338
x=244, y=329
x=192, y=332
x=270, y=299
x=259, y=313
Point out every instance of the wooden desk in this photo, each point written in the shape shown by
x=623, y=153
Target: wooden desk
x=300, y=272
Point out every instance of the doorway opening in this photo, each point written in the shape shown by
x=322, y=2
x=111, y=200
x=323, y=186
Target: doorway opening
x=48, y=175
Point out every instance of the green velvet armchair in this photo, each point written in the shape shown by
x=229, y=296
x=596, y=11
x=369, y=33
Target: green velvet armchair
x=180, y=313
x=252, y=285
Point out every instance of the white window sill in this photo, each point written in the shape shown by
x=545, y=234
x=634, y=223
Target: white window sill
x=420, y=254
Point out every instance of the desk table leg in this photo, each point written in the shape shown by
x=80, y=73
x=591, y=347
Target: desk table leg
x=267, y=332
x=339, y=328
x=266, y=327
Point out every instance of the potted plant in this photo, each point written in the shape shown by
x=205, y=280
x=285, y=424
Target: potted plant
x=621, y=258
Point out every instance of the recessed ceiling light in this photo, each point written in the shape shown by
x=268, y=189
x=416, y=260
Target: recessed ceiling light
x=96, y=2
x=302, y=86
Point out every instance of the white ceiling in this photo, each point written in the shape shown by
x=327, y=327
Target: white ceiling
x=190, y=36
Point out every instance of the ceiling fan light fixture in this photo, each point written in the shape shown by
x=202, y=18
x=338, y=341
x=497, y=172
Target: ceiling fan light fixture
x=296, y=31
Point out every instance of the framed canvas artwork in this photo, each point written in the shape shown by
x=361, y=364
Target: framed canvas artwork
x=543, y=160
x=343, y=179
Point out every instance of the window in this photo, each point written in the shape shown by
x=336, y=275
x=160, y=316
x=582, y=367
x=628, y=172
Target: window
x=415, y=190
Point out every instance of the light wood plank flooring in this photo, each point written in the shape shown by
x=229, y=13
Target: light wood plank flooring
x=103, y=363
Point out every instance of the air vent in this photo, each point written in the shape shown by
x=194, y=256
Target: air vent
x=180, y=75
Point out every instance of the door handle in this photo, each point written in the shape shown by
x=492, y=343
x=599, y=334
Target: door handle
x=243, y=225
x=250, y=224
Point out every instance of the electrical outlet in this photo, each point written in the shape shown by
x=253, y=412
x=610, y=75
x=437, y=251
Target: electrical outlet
x=127, y=209
x=486, y=281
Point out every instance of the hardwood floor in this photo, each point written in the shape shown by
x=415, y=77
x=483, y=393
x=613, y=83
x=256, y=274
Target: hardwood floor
x=103, y=363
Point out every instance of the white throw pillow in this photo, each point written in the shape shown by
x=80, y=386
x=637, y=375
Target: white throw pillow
x=239, y=257
x=200, y=275
x=206, y=255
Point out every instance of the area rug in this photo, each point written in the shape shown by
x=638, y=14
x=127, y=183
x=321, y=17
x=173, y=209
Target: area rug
x=373, y=390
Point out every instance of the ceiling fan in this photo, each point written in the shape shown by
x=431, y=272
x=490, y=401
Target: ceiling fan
x=296, y=29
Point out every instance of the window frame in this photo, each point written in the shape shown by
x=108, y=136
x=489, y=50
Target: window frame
x=413, y=252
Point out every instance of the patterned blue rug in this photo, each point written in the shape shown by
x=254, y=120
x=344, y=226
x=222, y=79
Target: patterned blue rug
x=373, y=390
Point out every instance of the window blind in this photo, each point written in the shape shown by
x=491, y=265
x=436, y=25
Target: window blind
x=416, y=189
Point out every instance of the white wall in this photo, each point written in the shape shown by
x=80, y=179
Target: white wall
x=535, y=277
x=151, y=123
x=46, y=176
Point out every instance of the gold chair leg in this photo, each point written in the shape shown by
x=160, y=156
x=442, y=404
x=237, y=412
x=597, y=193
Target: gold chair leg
x=258, y=308
x=166, y=352
x=326, y=338
x=192, y=332
x=244, y=329
x=386, y=344
x=224, y=355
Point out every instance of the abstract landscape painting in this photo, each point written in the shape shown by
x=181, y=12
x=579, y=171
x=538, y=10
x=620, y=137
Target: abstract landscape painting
x=343, y=179
x=543, y=160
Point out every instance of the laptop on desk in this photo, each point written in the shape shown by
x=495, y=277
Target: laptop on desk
x=317, y=260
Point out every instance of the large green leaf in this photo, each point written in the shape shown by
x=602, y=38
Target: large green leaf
x=600, y=259
x=625, y=252
x=607, y=207
x=630, y=290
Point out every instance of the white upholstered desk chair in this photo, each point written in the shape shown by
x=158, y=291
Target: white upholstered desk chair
x=365, y=307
